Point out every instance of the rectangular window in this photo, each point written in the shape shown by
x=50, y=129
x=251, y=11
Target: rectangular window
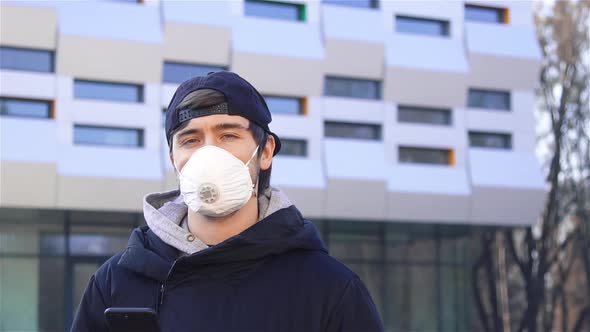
x=123, y=92
x=276, y=10
x=111, y=136
x=26, y=108
x=284, y=105
x=354, y=88
x=422, y=26
x=175, y=72
x=413, y=155
x=489, y=99
x=485, y=14
x=352, y=130
x=27, y=59
x=293, y=147
x=427, y=115
x=490, y=140
x=354, y=3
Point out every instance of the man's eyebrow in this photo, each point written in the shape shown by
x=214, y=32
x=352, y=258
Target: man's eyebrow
x=187, y=132
x=229, y=125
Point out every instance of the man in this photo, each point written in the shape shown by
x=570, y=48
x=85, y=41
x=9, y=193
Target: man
x=226, y=252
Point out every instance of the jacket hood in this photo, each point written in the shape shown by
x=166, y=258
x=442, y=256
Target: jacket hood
x=282, y=231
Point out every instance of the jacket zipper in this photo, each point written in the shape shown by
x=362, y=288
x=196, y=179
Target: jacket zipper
x=162, y=291
x=163, y=287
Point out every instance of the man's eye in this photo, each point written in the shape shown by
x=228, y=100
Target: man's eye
x=229, y=136
x=190, y=141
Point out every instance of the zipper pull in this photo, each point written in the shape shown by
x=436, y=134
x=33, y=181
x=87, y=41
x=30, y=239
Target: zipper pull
x=162, y=290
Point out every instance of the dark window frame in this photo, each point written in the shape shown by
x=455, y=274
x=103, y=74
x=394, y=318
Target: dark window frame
x=140, y=137
x=445, y=25
x=301, y=101
x=373, y=4
x=50, y=107
x=188, y=64
x=286, y=141
x=507, y=93
x=140, y=91
x=301, y=10
x=449, y=155
x=507, y=137
x=51, y=54
x=377, y=127
x=378, y=87
x=448, y=113
x=501, y=13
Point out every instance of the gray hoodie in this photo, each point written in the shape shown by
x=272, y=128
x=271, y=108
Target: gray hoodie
x=166, y=215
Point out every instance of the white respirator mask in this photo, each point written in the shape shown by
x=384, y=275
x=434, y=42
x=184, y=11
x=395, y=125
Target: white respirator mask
x=214, y=182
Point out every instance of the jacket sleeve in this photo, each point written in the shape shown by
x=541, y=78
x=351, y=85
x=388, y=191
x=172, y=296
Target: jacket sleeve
x=90, y=314
x=355, y=311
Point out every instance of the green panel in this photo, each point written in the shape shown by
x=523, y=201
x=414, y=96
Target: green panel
x=18, y=294
x=303, y=13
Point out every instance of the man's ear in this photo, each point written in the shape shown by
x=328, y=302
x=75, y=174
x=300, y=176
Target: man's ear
x=266, y=158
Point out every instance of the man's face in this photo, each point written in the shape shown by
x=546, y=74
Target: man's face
x=228, y=132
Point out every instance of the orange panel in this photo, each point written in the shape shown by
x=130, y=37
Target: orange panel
x=304, y=105
x=506, y=15
x=451, y=157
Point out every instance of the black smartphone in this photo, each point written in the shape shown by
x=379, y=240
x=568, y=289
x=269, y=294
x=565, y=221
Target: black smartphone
x=132, y=319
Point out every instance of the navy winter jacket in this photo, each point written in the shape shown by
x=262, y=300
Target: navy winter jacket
x=274, y=276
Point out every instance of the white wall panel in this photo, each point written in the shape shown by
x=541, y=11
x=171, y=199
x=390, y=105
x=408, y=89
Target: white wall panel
x=111, y=162
x=217, y=13
x=27, y=84
x=353, y=110
x=268, y=36
x=354, y=159
x=505, y=169
x=28, y=140
x=296, y=172
x=110, y=20
x=502, y=40
x=368, y=24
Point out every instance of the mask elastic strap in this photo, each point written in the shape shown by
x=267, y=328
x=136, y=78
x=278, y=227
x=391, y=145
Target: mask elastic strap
x=256, y=181
x=253, y=154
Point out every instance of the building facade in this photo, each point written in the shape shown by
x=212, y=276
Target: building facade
x=407, y=128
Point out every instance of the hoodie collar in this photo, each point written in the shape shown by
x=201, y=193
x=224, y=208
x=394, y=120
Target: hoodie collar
x=165, y=213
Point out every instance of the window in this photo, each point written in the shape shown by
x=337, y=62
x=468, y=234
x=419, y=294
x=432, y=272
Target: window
x=422, y=26
x=276, y=10
x=489, y=99
x=293, y=147
x=126, y=1
x=352, y=130
x=108, y=91
x=175, y=72
x=354, y=3
x=354, y=88
x=413, y=114
x=26, y=108
x=490, y=140
x=94, y=135
x=425, y=156
x=485, y=14
x=285, y=105
x=27, y=59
